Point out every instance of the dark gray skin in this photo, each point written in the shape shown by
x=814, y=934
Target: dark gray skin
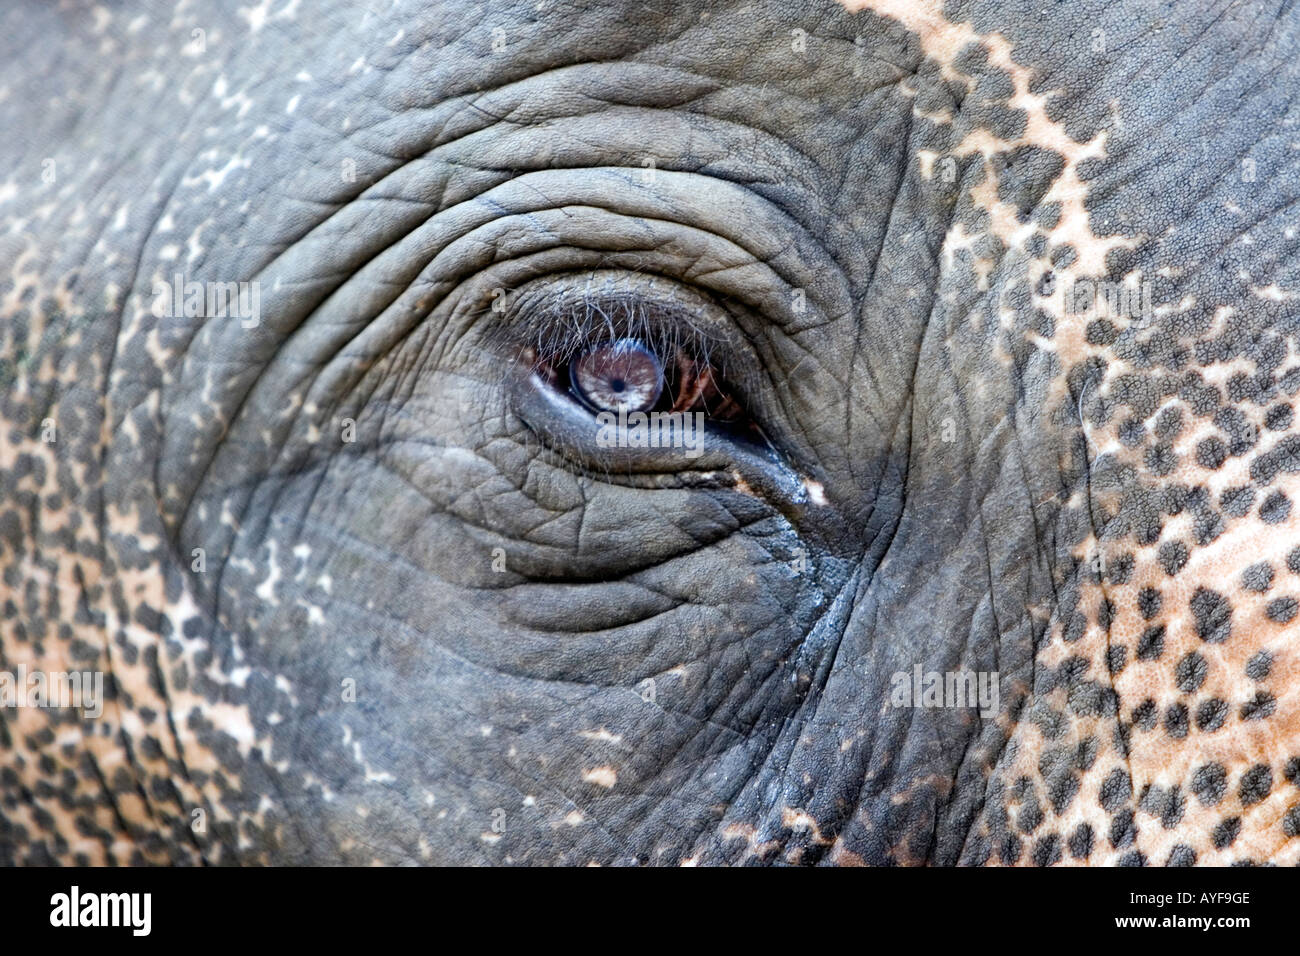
x=470, y=634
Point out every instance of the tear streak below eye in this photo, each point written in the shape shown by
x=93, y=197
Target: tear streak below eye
x=619, y=375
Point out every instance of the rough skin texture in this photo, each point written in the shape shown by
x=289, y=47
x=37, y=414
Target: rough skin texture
x=1102, y=510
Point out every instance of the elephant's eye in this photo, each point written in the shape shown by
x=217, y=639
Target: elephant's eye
x=629, y=375
x=614, y=376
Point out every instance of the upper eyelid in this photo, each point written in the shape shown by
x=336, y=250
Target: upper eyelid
x=571, y=328
x=560, y=316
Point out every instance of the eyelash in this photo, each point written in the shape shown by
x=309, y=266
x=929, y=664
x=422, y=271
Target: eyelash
x=565, y=334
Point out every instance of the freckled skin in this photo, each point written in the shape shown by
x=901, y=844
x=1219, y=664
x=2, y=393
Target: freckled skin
x=362, y=595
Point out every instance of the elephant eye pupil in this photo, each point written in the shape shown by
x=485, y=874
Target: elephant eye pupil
x=618, y=375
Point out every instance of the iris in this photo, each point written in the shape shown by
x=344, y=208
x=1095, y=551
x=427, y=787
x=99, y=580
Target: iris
x=622, y=374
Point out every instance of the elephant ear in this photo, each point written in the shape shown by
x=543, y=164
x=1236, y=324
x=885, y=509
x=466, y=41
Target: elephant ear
x=1161, y=721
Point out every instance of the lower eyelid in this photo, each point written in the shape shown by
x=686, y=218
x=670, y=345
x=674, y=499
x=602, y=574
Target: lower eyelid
x=564, y=315
x=567, y=430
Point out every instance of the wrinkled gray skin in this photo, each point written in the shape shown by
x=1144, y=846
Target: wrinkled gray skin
x=433, y=621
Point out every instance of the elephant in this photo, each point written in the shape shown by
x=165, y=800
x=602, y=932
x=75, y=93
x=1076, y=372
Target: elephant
x=565, y=433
